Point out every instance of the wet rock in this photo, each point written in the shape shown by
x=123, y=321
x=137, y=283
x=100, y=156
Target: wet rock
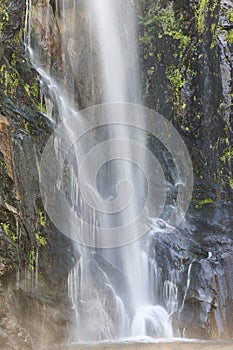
x=33, y=273
x=204, y=256
x=188, y=79
x=187, y=69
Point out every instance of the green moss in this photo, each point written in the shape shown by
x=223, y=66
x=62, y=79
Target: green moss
x=167, y=23
x=231, y=182
x=4, y=18
x=17, y=79
x=164, y=22
x=213, y=8
x=32, y=260
x=41, y=240
x=13, y=60
x=203, y=8
x=32, y=90
x=147, y=87
x=42, y=108
x=27, y=127
x=201, y=12
x=41, y=219
x=159, y=57
x=183, y=107
x=177, y=81
x=175, y=77
x=214, y=35
x=172, y=25
x=27, y=89
x=35, y=89
x=201, y=202
x=146, y=38
x=229, y=15
x=9, y=232
x=198, y=115
x=227, y=155
x=9, y=80
x=229, y=37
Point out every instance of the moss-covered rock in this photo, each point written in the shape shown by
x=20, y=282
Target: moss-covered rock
x=186, y=54
x=34, y=257
x=187, y=77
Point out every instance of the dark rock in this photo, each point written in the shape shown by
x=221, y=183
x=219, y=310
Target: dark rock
x=33, y=276
x=206, y=255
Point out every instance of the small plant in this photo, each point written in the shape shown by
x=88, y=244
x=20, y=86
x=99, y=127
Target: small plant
x=41, y=240
x=41, y=219
x=231, y=182
x=8, y=232
x=201, y=202
x=32, y=260
x=229, y=37
x=227, y=155
x=201, y=15
x=177, y=81
x=229, y=15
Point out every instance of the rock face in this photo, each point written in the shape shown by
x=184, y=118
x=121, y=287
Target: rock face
x=34, y=258
x=187, y=70
x=187, y=67
x=199, y=255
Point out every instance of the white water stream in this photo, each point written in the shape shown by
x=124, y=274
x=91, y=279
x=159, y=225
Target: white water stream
x=109, y=288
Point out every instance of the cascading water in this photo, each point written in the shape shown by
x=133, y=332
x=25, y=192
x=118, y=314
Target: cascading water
x=109, y=288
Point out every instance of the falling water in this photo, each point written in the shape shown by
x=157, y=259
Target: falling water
x=109, y=288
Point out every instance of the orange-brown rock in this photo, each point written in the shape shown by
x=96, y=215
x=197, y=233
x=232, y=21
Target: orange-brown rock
x=5, y=147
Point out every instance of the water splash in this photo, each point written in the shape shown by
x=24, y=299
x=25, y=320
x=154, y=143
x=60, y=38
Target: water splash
x=151, y=321
x=109, y=289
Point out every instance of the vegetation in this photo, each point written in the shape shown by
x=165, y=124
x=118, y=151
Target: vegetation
x=4, y=18
x=180, y=51
x=41, y=240
x=9, y=232
x=229, y=37
x=165, y=23
x=201, y=202
x=229, y=15
x=176, y=79
x=42, y=219
x=227, y=154
x=201, y=11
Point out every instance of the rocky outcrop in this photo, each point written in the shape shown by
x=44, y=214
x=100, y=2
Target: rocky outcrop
x=199, y=255
x=34, y=257
x=187, y=65
x=187, y=68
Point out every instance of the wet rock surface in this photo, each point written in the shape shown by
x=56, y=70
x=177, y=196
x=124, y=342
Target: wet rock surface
x=202, y=254
x=187, y=68
x=34, y=257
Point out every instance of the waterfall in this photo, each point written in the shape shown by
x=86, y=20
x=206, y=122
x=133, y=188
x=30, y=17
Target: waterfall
x=109, y=288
